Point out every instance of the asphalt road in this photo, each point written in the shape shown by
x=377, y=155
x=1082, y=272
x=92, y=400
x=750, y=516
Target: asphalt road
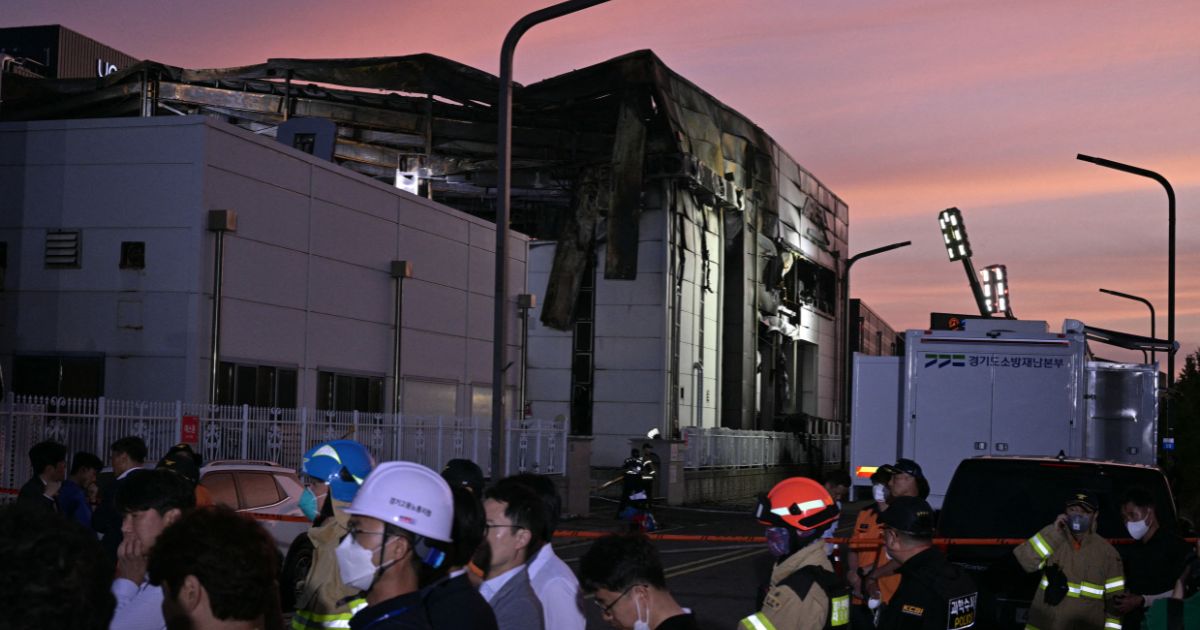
x=716, y=579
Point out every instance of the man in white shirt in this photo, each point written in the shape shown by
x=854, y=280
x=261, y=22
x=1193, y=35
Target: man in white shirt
x=149, y=501
x=515, y=526
x=553, y=581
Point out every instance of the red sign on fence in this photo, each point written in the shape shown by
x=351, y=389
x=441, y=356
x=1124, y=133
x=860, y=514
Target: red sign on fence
x=189, y=431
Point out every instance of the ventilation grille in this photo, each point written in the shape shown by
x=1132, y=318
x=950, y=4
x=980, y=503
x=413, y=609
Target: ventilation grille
x=62, y=249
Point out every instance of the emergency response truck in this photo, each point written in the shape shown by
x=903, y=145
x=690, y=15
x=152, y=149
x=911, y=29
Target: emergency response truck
x=999, y=387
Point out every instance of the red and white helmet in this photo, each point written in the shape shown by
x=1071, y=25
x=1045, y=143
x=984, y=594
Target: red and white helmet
x=409, y=496
x=799, y=503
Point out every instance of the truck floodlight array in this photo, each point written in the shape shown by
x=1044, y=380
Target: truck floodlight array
x=954, y=233
x=995, y=289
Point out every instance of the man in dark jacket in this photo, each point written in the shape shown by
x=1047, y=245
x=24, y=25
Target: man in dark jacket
x=934, y=594
x=452, y=602
x=49, y=460
x=127, y=456
x=1153, y=562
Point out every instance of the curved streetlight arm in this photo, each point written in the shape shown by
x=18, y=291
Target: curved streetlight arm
x=871, y=252
x=1149, y=305
x=503, y=192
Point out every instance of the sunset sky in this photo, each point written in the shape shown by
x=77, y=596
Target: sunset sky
x=902, y=108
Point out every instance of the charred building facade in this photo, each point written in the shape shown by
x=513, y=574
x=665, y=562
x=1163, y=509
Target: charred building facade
x=685, y=266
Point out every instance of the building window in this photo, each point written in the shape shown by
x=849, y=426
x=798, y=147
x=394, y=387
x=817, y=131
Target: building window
x=133, y=255
x=306, y=142
x=349, y=392
x=62, y=249
x=256, y=385
x=583, y=342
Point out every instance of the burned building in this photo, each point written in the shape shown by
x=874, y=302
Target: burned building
x=686, y=267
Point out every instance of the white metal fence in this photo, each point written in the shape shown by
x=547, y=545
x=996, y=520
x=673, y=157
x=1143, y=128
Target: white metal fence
x=272, y=434
x=734, y=448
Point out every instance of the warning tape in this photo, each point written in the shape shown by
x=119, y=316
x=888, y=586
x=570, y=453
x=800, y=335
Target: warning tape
x=941, y=542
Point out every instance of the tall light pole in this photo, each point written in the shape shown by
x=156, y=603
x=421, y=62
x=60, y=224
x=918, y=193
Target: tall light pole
x=1170, y=269
x=847, y=350
x=503, y=192
x=1138, y=298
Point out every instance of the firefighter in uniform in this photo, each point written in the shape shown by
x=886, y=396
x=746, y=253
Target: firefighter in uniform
x=336, y=469
x=1082, y=573
x=933, y=594
x=804, y=593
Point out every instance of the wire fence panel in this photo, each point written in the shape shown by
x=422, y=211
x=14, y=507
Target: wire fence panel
x=732, y=448
x=279, y=435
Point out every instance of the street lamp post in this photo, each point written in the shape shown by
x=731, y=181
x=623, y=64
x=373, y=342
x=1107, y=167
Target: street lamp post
x=847, y=352
x=1138, y=298
x=1170, y=269
x=503, y=191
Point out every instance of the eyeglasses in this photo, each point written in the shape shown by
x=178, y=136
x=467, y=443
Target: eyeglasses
x=490, y=527
x=607, y=610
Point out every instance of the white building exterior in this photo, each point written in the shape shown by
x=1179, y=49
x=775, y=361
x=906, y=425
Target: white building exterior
x=307, y=287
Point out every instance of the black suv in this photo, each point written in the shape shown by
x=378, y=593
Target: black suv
x=1014, y=497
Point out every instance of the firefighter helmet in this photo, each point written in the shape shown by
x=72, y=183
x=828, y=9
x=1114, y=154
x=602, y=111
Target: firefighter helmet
x=799, y=503
x=343, y=464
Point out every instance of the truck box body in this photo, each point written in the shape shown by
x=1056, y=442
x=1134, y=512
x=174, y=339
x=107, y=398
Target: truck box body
x=998, y=387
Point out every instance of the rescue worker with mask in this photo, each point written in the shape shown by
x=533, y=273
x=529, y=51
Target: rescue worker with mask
x=1082, y=573
x=401, y=507
x=333, y=473
x=934, y=594
x=866, y=554
x=804, y=593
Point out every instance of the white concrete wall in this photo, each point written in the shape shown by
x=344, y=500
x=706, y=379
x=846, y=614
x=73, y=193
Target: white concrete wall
x=307, y=274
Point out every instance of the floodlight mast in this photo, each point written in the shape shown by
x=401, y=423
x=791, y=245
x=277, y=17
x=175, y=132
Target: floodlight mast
x=958, y=247
x=995, y=290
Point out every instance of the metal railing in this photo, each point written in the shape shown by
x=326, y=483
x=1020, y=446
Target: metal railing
x=273, y=434
x=732, y=448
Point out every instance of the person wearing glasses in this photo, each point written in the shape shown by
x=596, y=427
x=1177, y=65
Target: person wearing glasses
x=623, y=575
x=396, y=520
x=515, y=524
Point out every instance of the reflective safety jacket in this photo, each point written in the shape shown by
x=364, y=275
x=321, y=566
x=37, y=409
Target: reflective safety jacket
x=798, y=600
x=317, y=605
x=1094, y=576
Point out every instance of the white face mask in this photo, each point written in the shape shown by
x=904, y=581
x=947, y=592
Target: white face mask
x=879, y=492
x=641, y=624
x=356, y=564
x=1137, y=529
x=874, y=603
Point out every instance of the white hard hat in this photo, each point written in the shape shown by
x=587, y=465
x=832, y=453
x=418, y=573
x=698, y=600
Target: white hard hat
x=409, y=496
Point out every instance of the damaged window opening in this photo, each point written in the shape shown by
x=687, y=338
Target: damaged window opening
x=807, y=283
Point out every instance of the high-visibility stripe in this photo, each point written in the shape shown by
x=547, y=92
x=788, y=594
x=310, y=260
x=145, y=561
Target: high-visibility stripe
x=865, y=471
x=1072, y=589
x=1040, y=545
x=839, y=611
x=1115, y=584
x=1092, y=591
x=308, y=620
x=1030, y=627
x=1044, y=583
x=757, y=621
x=1111, y=623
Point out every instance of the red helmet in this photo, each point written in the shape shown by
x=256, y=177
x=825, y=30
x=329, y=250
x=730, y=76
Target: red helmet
x=799, y=503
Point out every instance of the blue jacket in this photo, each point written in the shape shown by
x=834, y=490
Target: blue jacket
x=73, y=503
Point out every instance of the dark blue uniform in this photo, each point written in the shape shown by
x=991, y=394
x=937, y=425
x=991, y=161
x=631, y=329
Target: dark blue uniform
x=406, y=612
x=934, y=594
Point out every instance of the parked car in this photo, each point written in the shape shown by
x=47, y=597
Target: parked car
x=270, y=493
x=1013, y=498
x=264, y=490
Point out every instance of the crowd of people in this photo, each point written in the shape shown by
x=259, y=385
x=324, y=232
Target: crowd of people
x=396, y=545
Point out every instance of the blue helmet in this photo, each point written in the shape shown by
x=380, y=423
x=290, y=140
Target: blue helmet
x=343, y=464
